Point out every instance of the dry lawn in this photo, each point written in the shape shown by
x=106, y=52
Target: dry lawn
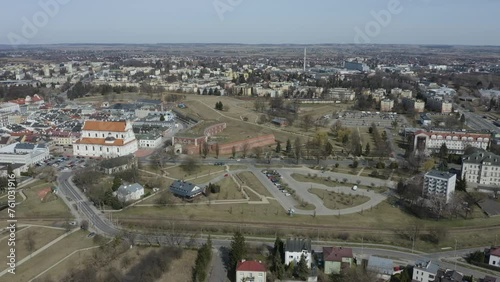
x=229, y=190
x=54, y=254
x=333, y=200
x=250, y=180
x=41, y=236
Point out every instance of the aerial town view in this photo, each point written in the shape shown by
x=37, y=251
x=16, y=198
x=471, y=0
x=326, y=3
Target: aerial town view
x=250, y=141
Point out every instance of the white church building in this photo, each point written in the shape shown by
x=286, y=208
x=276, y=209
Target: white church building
x=105, y=139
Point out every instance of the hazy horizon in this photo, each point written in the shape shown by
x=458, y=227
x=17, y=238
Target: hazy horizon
x=256, y=22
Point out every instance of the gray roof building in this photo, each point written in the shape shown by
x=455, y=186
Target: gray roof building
x=298, y=245
x=482, y=157
x=380, y=265
x=129, y=189
x=184, y=189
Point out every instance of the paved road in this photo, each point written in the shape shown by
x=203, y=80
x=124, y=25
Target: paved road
x=301, y=189
x=105, y=227
x=85, y=209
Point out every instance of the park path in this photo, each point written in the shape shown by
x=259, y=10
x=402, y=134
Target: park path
x=37, y=252
x=63, y=259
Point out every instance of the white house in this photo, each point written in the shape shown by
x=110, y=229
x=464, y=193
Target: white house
x=494, y=254
x=105, y=139
x=295, y=249
x=149, y=140
x=131, y=192
x=425, y=271
x=253, y=271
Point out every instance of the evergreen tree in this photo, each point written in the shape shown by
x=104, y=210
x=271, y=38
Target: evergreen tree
x=162, y=117
x=117, y=182
x=443, y=151
x=278, y=147
x=367, y=149
x=237, y=250
x=288, y=148
x=328, y=148
x=302, y=269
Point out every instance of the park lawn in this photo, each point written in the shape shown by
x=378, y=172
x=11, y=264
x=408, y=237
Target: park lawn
x=250, y=180
x=178, y=173
x=334, y=201
x=237, y=167
x=51, y=206
x=317, y=180
x=229, y=190
x=55, y=253
x=206, y=178
x=383, y=218
x=306, y=206
x=252, y=196
x=380, y=216
x=40, y=235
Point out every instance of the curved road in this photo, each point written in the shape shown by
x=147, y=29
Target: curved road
x=98, y=222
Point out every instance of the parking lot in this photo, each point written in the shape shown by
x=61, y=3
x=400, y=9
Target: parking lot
x=275, y=178
x=62, y=163
x=365, y=119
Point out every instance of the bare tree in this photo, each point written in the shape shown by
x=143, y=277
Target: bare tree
x=307, y=122
x=297, y=146
x=84, y=224
x=244, y=149
x=258, y=152
x=190, y=165
x=217, y=150
x=205, y=149
x=30, y=240
x=164, y=199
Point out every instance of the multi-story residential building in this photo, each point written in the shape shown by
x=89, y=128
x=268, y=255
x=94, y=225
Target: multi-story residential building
x=446, y=107
x=419, y=106
x=250, y=271
x=481, y=168
x=386, y=105
x=425, y=271
x=439, y=183
x=105, y=139
x=456, y=141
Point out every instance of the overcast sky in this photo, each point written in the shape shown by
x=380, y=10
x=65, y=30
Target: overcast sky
x=252, y=21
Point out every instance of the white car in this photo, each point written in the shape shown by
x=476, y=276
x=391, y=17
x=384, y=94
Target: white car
x=288, y=194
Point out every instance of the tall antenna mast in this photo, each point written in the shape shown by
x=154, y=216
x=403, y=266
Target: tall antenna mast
x=305, y=58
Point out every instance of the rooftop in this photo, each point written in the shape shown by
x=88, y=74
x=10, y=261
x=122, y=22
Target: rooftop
x=336, y=253
x=298, y=245
x=112, y=126
x=440, y=174
x=251, y=265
